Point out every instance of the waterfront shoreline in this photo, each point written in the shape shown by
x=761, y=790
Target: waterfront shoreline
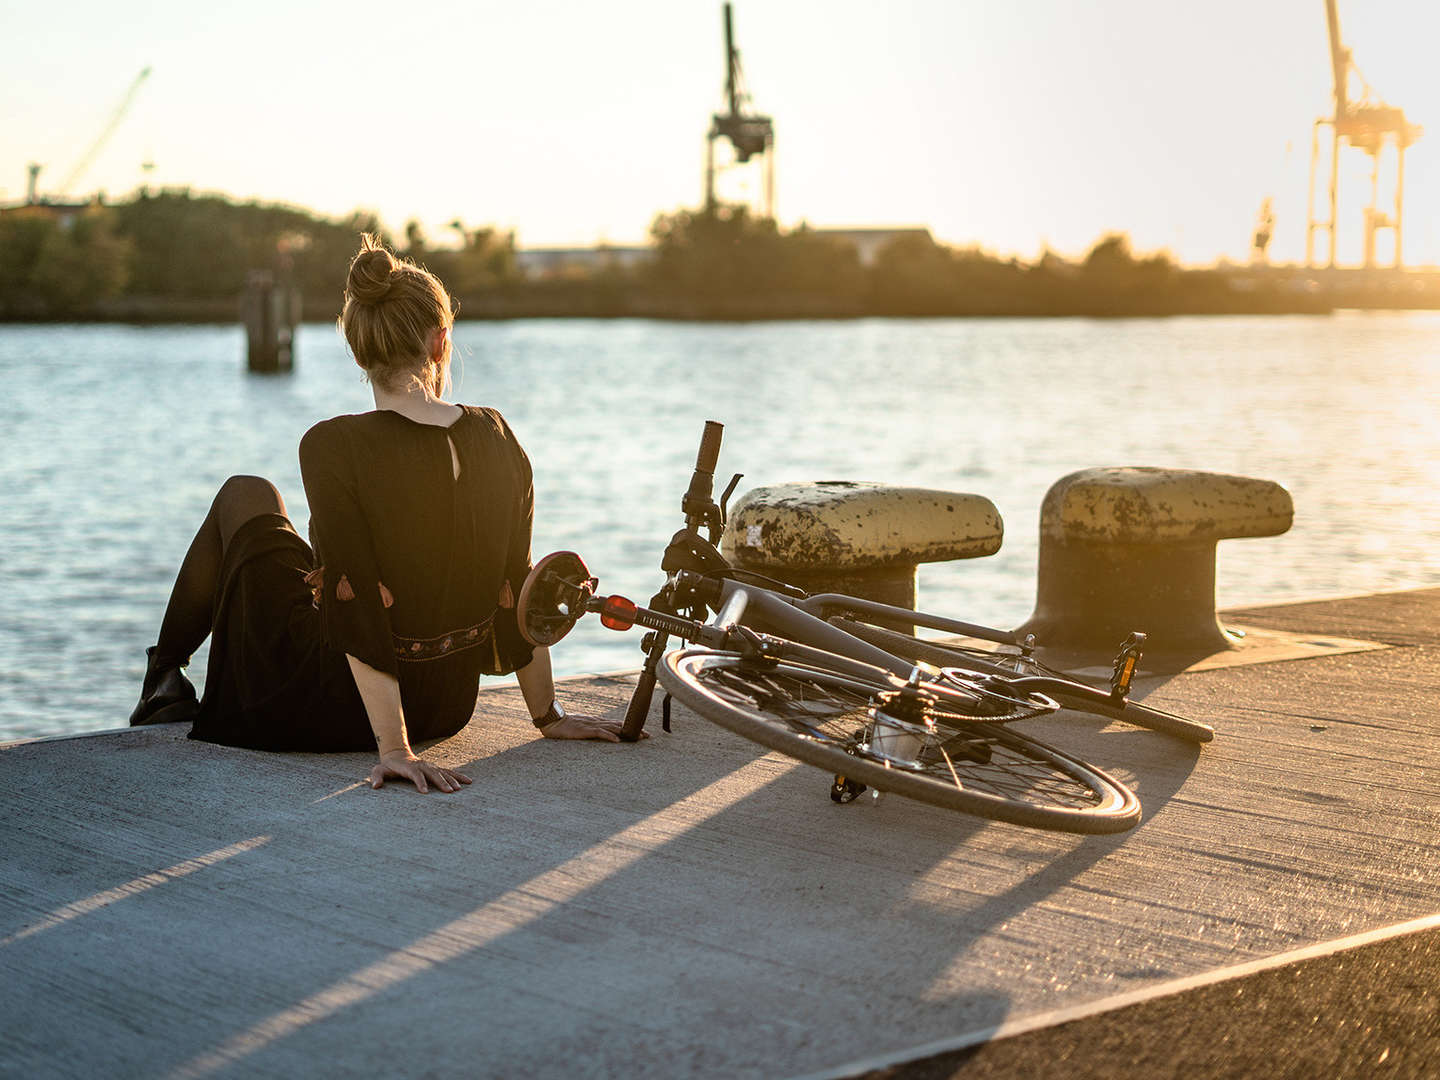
x=144, y=311
x=1225, y=292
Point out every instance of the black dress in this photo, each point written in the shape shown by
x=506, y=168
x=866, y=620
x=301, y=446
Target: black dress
x=412, y=561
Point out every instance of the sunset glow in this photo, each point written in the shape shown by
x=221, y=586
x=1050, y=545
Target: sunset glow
x=1011, y=127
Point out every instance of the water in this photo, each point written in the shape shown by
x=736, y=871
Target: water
x=116, y=437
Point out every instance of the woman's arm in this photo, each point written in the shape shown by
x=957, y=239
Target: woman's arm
x=380, y=691
x=537, y=685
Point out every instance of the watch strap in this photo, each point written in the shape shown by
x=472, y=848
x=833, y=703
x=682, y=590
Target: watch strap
x=555, y=712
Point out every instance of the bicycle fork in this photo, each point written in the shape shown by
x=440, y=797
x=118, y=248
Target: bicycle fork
x=635, y=716
x=655, y=643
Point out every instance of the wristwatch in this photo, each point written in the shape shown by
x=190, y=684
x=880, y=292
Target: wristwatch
x=552, y=714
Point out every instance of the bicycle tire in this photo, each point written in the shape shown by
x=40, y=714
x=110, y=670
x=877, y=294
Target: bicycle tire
x=1132, y=712
x=812, y=715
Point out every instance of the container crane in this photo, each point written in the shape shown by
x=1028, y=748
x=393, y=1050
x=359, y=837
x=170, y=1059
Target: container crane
x=32, y=193
x=1264, y=232
x=1366, y=124
x=749, y=134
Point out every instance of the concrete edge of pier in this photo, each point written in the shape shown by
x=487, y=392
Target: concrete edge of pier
x=693, y=906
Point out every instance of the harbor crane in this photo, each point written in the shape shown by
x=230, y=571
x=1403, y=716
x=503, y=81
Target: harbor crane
x=1264, y=232
x=91, y=153
x=1367, y=124
x=750, y=134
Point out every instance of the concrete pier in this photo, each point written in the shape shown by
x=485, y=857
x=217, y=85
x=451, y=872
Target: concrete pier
x=691, y=906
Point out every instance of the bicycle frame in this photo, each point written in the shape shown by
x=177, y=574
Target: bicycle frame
x=795, y=630
x=775, y=620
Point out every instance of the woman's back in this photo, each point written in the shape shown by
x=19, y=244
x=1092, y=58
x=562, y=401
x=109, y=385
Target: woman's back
x=442, y=543
x=389, y=510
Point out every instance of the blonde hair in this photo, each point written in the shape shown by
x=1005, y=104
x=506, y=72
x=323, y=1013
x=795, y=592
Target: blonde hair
x=392, y=309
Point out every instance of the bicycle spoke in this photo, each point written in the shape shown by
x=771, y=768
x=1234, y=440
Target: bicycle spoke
x=821, y=710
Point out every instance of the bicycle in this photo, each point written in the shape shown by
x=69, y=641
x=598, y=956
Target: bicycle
x=809, y=676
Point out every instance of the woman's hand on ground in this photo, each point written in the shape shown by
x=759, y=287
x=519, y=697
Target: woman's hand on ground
x=403, y=765
x=580, y=726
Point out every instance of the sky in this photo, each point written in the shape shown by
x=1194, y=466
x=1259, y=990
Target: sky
x=1011, y=125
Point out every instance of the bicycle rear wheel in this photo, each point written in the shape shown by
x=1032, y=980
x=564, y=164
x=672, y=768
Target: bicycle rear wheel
x=1131, y=712
x=825, y=719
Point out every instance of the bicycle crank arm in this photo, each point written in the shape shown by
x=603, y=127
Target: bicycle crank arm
x=1052, y=687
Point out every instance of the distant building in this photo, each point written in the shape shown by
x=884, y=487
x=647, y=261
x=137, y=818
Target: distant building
x=578, y=262
x=558, y=262
x=63, y=213
x=868, y=240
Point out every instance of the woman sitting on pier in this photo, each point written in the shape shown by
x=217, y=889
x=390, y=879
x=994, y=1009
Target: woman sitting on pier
x=420, y=514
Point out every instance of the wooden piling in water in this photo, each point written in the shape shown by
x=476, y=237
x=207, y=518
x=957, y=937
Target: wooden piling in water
x=270, y=310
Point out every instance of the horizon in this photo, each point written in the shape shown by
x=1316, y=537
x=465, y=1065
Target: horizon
x=1014, y=131
x=445, y=238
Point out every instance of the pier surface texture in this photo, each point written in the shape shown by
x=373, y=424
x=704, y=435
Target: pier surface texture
x=693, y=906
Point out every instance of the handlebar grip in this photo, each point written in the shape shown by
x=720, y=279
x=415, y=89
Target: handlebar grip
x=709, y=446
x=639, y=707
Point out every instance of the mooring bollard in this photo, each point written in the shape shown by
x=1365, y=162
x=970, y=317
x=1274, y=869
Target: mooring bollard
x=863, y=539
x=1125, y=549
x=270, y=311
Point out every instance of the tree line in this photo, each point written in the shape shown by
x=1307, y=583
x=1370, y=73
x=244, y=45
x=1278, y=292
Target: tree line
x=177, y=255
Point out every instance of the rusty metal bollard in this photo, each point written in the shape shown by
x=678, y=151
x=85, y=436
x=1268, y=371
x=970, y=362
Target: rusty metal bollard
x=1125, y=549
x=863, y=539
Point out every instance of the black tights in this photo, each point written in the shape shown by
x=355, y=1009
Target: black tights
x=191, y=611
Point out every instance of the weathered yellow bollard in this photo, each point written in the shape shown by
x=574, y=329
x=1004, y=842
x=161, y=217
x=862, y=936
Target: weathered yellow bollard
x=859, y=538
x=1125, y=549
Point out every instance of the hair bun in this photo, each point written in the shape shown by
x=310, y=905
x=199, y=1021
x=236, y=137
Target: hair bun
x=371, y=274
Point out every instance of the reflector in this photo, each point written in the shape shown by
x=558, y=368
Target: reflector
x=618, y=613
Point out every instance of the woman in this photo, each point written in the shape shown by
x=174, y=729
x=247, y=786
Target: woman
x=420, y=516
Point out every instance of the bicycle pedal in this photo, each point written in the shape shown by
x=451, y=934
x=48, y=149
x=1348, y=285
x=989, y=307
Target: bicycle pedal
x=844, y=790
x=1127, y=662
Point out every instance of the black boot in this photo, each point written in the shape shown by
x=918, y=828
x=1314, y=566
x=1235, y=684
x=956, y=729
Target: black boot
x=166, y=696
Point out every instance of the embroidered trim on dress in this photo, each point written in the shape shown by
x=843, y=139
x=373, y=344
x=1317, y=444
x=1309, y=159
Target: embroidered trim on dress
x=444, y=644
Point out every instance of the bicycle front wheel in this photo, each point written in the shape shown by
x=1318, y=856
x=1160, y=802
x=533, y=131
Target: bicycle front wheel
x=827, y=720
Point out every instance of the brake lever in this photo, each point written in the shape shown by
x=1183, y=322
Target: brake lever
x=725, y=495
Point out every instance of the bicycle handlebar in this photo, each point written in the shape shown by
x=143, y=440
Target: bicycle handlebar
x=709, y=447
x=698, y=504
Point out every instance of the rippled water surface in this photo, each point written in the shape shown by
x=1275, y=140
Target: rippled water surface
x=115, y=438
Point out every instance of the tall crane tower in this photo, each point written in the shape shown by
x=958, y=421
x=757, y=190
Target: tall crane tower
x=1264, y=232
x=1366, y=124
x=93, y=150
x=749, y=134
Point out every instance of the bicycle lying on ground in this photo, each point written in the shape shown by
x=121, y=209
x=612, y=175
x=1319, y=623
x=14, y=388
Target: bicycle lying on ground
x=816, y=678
